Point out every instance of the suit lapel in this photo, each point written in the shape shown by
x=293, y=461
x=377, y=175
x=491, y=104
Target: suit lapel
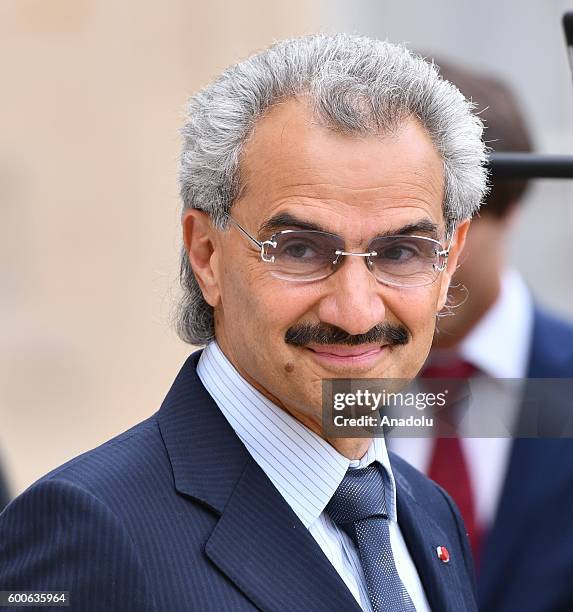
x=262, y=546
x=206, y=456
x=258, y=542
x=422, y=536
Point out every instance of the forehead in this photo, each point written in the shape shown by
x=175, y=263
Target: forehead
x=293, y=160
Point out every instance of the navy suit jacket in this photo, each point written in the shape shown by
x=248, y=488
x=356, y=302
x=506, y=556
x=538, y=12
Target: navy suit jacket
x=174, y=514
x=527, y=561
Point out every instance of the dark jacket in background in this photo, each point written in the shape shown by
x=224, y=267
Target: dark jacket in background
x=527, y=561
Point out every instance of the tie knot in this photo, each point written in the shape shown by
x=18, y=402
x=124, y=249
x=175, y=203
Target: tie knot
x=360, y=495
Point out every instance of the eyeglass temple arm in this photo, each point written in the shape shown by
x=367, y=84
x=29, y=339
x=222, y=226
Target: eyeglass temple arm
x=446, y=251
x=245, y=233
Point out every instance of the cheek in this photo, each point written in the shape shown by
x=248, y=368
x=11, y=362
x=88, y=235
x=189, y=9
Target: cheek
x=258, y=309
x=243, y=323
x=416, y=309
x=241, y=302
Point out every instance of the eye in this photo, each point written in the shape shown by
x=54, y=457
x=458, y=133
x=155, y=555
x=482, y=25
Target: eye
x=398, y=252
x=298, y=249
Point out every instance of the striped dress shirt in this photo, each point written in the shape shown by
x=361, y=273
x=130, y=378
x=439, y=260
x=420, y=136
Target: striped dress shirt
x=306, y=470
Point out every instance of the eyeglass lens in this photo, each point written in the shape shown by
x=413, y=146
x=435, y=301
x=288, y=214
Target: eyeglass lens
x=311, y=255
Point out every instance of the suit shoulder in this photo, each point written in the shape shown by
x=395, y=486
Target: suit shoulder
x=59, y=536
x=110, y=467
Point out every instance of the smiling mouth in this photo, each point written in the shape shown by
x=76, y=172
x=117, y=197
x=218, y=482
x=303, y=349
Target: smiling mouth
x=347, y=355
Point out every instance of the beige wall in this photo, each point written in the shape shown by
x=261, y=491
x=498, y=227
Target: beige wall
x=92, y=98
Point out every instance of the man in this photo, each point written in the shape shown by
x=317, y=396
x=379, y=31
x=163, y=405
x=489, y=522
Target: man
x=500, y=332
x=327, y=186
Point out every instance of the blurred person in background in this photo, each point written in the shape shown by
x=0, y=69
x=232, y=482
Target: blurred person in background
x=516, y=495
x=327, y=184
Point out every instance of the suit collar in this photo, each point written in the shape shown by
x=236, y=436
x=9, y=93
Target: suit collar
x=206, y=456
x=258, y=542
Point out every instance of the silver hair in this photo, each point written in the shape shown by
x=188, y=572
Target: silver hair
x=354, y=85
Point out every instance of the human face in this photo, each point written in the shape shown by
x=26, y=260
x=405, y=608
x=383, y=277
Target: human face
x=358, y=187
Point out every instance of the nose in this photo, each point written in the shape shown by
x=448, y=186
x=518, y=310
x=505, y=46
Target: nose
x=352, y=300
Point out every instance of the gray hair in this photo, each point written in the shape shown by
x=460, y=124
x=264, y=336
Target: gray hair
x=354, y=85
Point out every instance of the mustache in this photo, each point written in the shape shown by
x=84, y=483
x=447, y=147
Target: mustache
x=322, y=333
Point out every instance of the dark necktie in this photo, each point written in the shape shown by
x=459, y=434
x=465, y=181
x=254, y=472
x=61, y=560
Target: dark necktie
x=359, y=508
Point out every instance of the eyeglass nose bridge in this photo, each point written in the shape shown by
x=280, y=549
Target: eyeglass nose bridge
x=340, y=254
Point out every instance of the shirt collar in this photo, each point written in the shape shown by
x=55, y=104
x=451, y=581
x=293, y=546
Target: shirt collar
x=304, y=468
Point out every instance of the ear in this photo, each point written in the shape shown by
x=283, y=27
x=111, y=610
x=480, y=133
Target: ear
x=457, y=246
x=199, y=240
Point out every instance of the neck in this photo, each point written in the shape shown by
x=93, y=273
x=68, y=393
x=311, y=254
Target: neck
x=351, y=448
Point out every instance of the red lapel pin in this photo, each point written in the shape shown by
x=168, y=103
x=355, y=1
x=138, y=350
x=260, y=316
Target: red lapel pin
x=443, y=554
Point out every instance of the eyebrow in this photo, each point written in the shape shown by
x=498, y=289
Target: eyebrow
x=286, y=220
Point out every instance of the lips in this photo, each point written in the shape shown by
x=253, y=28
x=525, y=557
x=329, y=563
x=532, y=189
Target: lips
x=346, y=351
x=349, y=360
